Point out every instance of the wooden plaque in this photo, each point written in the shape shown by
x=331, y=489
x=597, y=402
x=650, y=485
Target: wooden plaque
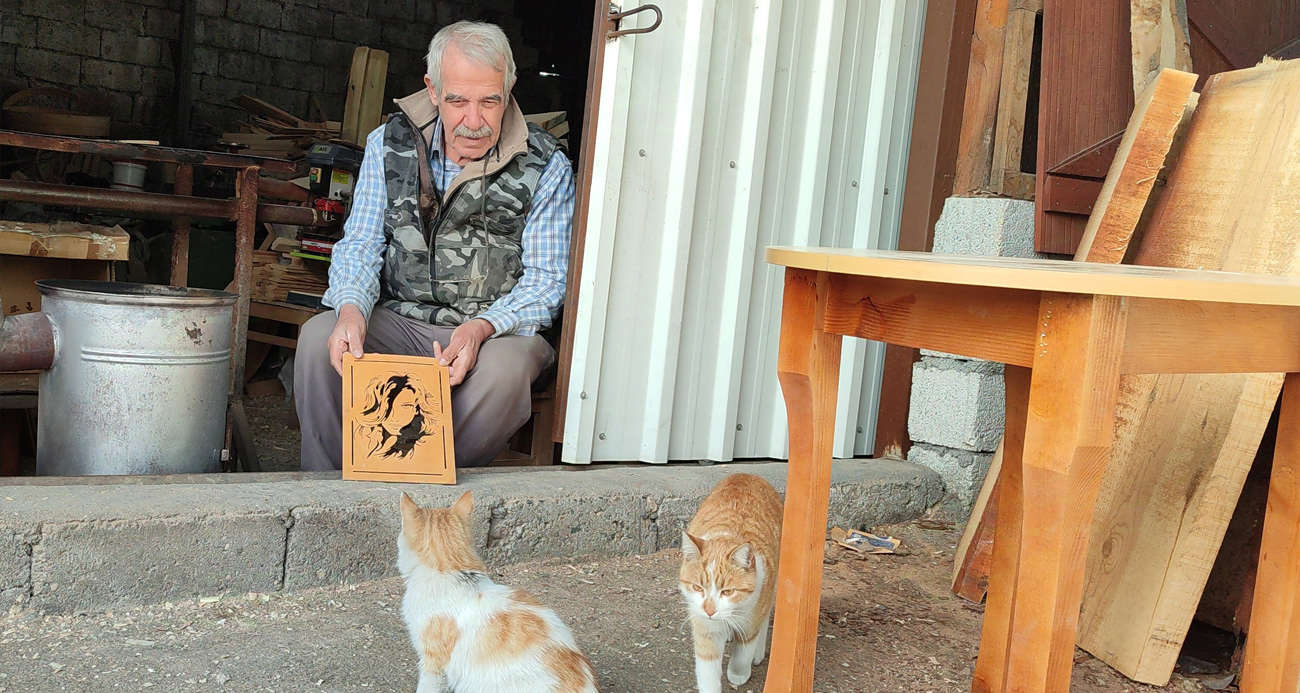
x=397, y=420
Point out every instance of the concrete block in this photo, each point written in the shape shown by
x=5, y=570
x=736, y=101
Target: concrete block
x=67, y=37
x=162, y=22
x=111, y=75
x=248, y=67
x=96, y=565
x=414, y=37
x=299, y=75
x=18, y=30
x=332, y=54
x=290, y=100
x=126, y=17
x=988, y=226
x=49, y=66
x=257, y=12
x=309, y=21
x=223, y=33
x=287, y=45
x=16, y=562
x=957, y=404
x=212, y=8
x=393, y=9
x=131, y=48
x=329, y=546
x=522, y=529
x=962, y=471
x=62, y=11
x=206, y=60
x=357, y=31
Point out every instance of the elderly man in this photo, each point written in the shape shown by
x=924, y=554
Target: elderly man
x=456, y=248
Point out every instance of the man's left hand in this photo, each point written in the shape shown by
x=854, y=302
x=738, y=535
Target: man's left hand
x=462, y=349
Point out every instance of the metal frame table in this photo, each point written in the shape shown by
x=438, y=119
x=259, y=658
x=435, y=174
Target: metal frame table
x=1066, y=332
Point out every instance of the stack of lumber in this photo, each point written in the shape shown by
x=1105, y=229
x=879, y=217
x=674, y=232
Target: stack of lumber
x=991, y=155
x=277, y=272
x=274, y=132
x=1184, y=444
x=554, y=122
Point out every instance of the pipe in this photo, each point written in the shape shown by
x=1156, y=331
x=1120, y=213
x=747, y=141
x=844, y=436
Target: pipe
x=157, y=203
x=26, y=343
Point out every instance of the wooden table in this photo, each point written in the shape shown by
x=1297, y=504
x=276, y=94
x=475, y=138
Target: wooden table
x=1066, y=332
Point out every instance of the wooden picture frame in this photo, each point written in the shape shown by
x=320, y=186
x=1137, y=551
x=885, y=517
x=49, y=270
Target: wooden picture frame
x=397, y=420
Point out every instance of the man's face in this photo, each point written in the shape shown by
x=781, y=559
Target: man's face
x=472, y=105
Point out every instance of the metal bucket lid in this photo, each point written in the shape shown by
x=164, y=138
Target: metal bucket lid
x=126, y=293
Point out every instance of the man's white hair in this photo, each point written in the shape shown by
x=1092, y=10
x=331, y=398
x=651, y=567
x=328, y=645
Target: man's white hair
x=480, y=42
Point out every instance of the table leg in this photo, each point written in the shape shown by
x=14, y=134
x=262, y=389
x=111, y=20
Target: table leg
x=990, y=669
x=1272, y=660
x=245, y=231
x=184, y=185
x=1068, y=436
x=808, y=367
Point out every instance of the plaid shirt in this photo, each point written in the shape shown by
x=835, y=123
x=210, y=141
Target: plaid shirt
x=529, y=308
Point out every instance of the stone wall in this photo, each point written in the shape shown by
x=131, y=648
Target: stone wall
x=119, y=56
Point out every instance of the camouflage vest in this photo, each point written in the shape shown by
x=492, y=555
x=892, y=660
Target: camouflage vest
x=475, y=230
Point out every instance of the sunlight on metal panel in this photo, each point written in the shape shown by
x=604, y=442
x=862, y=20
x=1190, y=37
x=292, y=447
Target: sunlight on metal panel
x=738, y=125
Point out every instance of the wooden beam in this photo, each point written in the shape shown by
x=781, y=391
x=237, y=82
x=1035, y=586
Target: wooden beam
x=931, y=166
x=979, y=118
x=1013, y=101
x=1140, y=157
x=363, y=108
x=1067, y=195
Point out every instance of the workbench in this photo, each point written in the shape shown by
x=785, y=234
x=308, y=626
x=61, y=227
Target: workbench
x=1066, y=332
x=244, y=209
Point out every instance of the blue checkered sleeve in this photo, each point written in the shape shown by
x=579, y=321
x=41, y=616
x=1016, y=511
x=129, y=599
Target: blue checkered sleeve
x=532, y=305
x=359, y=256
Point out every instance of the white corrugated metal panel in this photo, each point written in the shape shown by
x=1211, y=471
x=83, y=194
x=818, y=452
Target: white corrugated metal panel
x=734, y=126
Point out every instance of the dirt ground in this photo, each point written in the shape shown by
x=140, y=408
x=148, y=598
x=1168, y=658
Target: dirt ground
x=276, y=431
x=888, y=623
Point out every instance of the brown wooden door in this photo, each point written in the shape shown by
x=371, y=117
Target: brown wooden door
x=1087, y=91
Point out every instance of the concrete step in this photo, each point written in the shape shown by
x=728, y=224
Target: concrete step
x=91, y=544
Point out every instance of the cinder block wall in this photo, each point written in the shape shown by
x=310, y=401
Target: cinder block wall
x=957, y=407
x=120, y=55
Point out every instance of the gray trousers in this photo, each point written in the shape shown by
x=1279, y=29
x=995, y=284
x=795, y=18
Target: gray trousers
x=487, y=408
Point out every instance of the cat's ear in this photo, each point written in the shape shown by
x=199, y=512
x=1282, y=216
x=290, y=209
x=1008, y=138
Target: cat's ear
x=465, y=506
x=743, y=557
x=408, y=506
x=691, y=547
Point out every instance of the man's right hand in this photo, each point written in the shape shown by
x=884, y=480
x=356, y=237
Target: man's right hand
x=349, y=335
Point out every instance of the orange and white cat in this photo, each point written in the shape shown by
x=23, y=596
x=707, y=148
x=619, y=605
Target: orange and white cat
x=728, y=576
x=473, y=635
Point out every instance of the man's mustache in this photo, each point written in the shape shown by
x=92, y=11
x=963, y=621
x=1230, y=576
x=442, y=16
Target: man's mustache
x=462, y=131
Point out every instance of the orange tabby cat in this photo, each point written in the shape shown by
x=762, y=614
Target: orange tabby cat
x=473, y=635
x=728, y=576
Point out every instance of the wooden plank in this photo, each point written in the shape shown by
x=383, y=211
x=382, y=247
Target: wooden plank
x=1109, y=243
x=363, y=107
x=254, y=336
x=1094, y=161
x=1272, y=659
x=1013, y=101
x=1160, y=39
x=1140, y=156
x=974, y=555
x=979, y=116
x=898, y=312
x=63, y=239
x=1184, y=444
x=266, y=110
x=1085, y=96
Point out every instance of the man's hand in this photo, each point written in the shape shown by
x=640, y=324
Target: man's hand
x=462, y=349
x=349, y=335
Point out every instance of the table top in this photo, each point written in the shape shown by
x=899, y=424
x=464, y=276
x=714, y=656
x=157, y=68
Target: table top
x=1063, y=276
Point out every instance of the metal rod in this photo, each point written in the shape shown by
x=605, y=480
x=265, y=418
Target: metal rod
x=154, y=203
x=184, y=185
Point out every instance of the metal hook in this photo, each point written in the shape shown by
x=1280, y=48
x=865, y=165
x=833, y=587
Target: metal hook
x=616, y=17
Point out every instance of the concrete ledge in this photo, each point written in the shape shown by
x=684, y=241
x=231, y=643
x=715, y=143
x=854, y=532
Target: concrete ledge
x=83, y=546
